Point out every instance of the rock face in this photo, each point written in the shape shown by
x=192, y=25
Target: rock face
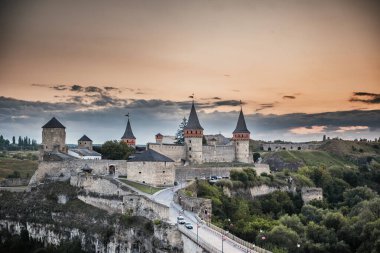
x=165, y=239
x=39, y=213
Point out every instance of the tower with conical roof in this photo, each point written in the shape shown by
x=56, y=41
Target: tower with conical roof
x=128, y=136
x=85, y=142
x=53, y=137
x=241, y=136
x=193, y=134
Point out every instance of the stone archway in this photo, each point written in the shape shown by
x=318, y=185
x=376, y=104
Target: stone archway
x=111, y=169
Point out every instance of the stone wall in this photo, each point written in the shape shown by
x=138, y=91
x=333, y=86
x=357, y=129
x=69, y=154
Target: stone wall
x=110, y=205
x=214, y=153
x=289, y=146
x=12, y=182
x=188, y=172
x=140, y=205
x=311, y=193
x=174, y=151
x=54, y=138
x=265, y=189
x=201, y=206
x=153, y=173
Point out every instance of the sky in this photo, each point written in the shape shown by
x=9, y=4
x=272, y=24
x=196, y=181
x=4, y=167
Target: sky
x=302, y=69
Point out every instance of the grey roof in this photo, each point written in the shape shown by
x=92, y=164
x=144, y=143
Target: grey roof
x=193, y=122
x=86, y=168
x=241, y=127
x=53, y=123
x=128, y=134
x=85, y=152
x=84, y=138
x=150, y=156
x=56, y=156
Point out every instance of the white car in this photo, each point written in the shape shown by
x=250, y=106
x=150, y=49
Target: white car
x=188, y=225
x=181, y=220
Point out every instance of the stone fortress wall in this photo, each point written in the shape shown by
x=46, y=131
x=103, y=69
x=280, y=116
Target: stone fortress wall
x=175, y=152
x=216, y=153
x=154, y=173
x=289, y=146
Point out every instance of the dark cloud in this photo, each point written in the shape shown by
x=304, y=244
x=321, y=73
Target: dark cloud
x=18, y=117
x=265, y=106
x=365, y=97
x=139, y=93
x=93, y=89
x=216, y=98
x=289, y=97
x=39, y=85
x=109, y=88
x=227, y=102
x=76, y=88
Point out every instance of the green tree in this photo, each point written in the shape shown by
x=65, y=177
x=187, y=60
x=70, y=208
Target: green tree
x=179, y=136
x=116, y=150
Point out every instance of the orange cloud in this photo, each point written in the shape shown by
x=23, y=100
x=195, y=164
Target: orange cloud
x=308, y=130
x=351, y=128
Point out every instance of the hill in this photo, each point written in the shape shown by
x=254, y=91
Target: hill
x=332, y=152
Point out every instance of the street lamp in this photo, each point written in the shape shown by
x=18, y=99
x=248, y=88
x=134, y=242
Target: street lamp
x=197, y=231
x=223, y=239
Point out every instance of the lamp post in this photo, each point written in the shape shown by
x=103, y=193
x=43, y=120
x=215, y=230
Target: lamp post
x=197, y=231
x=223, y=239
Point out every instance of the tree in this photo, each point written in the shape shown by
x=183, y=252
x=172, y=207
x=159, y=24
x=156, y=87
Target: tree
x=115, y=150
x=179, y=136
x=13, y=140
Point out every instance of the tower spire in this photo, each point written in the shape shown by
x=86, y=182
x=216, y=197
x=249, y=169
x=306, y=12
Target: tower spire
x=128, y=136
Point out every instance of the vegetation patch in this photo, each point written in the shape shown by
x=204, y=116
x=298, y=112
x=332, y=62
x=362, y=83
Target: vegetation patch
x=142, y=187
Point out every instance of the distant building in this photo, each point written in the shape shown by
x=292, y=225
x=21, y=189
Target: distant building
x=84, y=153
x=128, y=136
x=85, y=142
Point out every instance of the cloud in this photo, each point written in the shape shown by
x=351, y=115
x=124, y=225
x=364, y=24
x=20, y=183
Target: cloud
x=76, y=88
x=93, y=89
x=101, y=117
x=308, y=130
x=108, y=88
x=365, y=97
x=227, y=103
x=265, y=106
x=351, y=128
x=59, y=87
x=289, y=97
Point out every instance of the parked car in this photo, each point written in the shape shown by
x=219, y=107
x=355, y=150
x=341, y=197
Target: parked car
x=218, y=177
x=212, y=181
x=181, y=220
x=188, y=225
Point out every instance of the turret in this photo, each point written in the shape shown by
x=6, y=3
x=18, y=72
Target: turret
x=193, y=134
x=128, y=136
x=241, y=137
x=159, y=138
x=53, y=137
x=85, y=142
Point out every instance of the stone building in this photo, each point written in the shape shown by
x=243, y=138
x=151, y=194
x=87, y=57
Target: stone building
x=53, y=137
x=85, y=142
x=217, y=149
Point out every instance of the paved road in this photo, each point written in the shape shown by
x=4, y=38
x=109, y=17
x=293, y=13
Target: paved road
x=207, y=234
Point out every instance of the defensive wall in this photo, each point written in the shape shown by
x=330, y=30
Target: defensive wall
x=214, y=153
x=175, y=152
x=154, y=173
x=290, y=146
x=201, y=206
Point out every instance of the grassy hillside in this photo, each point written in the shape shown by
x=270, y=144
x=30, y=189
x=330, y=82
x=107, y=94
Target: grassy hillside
x=23, y=163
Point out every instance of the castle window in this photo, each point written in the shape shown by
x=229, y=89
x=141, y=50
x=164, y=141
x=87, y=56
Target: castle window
x=139, y=172
x=189, y=156
x=163, y=171
x=189, y=148
x=189, y=142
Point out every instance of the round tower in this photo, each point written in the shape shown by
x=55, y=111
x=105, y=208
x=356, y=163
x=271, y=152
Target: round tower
x=128, y=136
x=85, y=142
x=193, y=135
x=53, y=137
x=241, y=137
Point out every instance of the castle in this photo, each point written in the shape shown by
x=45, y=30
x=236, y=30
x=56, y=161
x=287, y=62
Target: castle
x=159, y=165
x=194, y=151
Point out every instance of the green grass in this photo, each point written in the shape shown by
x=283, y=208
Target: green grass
x=142, y=187
x=26, y=168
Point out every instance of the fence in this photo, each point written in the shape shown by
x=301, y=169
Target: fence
x=204, y=245
x=237, y=239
